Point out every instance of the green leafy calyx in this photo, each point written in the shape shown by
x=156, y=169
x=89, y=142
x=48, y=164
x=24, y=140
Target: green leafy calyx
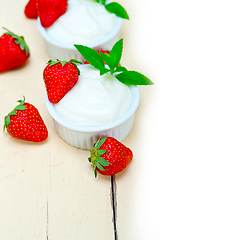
x=19, y=107
x=73, y=61
x=110, y=63
x=18, y=40
x=115, y=8
x=95, y=156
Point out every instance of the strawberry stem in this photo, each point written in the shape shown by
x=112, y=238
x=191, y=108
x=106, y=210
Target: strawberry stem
x=19, y=107
x=73, y=61
x=95, y=156
x=19, y=40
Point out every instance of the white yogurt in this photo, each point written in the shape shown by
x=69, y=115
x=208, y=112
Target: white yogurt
x=85, y=21
x=95, y=100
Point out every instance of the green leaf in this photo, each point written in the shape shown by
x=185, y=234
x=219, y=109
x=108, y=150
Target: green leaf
x=20, y=107
x=120, y=69
x=99, y=166
x=103, y=71
x=101, y=152
x=103, y=2
x=63, y=63
x=75, y=61
x=116, y=52
x=51, y=62
x=90, y=55
x=108, y=60
x=13, y=112
x=117, y=9
x=100, y=142
x=103, y=162
x=133, y=78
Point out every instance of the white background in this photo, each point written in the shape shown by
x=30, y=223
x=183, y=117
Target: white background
x=190, y=181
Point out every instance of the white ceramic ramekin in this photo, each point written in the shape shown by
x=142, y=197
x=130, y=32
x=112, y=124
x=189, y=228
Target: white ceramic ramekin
x=61, y=51
x=85, y=137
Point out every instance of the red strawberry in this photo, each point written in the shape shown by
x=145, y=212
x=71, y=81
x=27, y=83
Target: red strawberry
x=59, y=77
x=109, y=156
x=103, y=51
x=30, y=10
x=13, y=51
x=50, y=10
x=25, y=123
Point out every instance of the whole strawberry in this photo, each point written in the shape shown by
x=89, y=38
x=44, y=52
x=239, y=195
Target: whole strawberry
x=109, y=156
x=14, y=51
x=50, y=10
x=30, y=10
x=60, y=77
x=25, y=123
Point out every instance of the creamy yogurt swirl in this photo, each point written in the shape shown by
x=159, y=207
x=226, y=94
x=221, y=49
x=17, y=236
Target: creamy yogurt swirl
x=85, y=21
x=95, y=100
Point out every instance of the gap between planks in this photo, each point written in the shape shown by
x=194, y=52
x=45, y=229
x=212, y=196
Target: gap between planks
x=113, y=194
x=114, y=203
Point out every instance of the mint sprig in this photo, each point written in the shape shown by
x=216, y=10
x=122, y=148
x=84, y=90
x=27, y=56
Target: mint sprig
x=111, y=63
x=115, y=8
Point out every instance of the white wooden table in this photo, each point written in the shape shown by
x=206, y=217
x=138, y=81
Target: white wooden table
x=184, y=180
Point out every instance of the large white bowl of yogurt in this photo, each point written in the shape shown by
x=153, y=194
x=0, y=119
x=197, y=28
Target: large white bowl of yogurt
x=85, y=22
x=96, y=106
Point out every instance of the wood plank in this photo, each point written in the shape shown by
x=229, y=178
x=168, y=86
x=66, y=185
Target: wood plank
x=48, y=190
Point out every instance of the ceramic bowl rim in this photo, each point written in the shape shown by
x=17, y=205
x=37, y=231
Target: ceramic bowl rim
x=93, y=44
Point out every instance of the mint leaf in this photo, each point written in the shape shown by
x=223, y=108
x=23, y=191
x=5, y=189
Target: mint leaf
x=133, y=78
x=104, y=71
x=113, y=59
x=116, y=52
x=90, y=55
x=120, y=69
x=108, y=60
x=117, y=9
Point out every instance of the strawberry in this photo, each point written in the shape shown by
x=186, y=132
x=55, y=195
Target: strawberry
x=59, y=77
x=30, y=10
x=103, y=51
x=13, y=51
x=109, y=156
x=25, y=123
x=50, y=10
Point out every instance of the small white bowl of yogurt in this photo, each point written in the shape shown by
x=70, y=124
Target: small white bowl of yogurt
x=85, y=22
x=96, y=106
